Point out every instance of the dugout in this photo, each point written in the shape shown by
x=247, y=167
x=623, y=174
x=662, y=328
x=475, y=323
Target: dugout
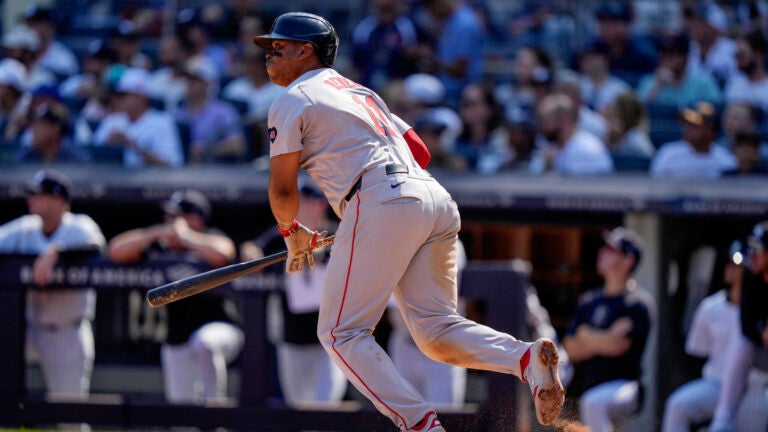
x=551, y=221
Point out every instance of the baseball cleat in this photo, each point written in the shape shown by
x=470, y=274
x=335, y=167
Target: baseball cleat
x=539, y=367
x=429, y=423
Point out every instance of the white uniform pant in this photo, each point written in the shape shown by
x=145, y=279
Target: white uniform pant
x=307, y=374
x=196, y=371
x=66, y=356
x=692, y=403
x=399, y=235
x=608, y=404
x=743, y=405
x=439, y=383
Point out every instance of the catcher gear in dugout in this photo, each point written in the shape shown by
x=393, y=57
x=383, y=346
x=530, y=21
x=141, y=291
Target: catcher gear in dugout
x=305, y=27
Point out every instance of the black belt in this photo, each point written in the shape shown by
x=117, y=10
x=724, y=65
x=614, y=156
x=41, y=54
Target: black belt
x=388, y=169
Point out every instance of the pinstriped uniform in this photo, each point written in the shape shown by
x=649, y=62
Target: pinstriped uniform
x=397, y=236
x=58, y=320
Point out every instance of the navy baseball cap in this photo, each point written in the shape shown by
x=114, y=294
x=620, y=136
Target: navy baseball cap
x=50, y=182
x=187, y=202
x=737, y=253
x=626, y=241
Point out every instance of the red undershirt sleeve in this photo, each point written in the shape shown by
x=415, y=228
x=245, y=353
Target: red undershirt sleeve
x=418, y=148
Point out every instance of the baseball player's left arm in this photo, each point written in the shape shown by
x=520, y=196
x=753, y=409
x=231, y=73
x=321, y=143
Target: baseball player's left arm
x=284, y=201
x=283, y=188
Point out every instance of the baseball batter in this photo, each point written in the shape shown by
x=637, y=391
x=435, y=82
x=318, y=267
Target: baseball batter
x=398, y=230
x=59, y=329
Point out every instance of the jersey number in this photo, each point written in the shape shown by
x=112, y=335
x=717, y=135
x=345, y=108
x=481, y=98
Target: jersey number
x=374, y=111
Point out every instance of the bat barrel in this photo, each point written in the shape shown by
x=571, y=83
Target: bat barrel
x=196, y=284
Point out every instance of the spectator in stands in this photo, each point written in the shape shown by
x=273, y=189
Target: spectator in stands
x=629, y=57
x=55, y=56
x=387, y=44
x=88, y=84
x=607, y=336
x=196, y=34
x=748, y=351
x=522, y=141
x=748, y=151
x=427, y=93
x=598, y=86
x=306, y=372
x=49, y=138
x=148, y=136
x=658, y=18
x=695, y=155
x=483, y=142
x=752, y=85
x=673, y=84
x=628, y=125
x=203, y=331
x=254, y=86
x=541, y=23
x=738, y=117
x=568, y=83
x=420, y=95
x=711, y=51
x=740, y=126
x=567, y=149
x=224, y=18
x=432, y=131
x=12, y=75
x=126, y=41
x=21, y=43
x=531, y=78
x=215, y=131
x=167, y=82
x=17, y=129
x=715, y=323
x=459, y=47
x=252, y=94
x=88, y=93
x=59, y=333
x=244, y=47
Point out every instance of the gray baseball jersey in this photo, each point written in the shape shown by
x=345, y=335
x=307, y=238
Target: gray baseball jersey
x=398, y=236
x=341, y=128
x=59, y=331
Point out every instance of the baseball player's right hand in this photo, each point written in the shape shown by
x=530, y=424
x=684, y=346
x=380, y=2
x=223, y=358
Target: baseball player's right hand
x=300, y=242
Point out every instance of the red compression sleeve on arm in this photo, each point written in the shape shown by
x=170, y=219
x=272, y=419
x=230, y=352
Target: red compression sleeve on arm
x=418, y=148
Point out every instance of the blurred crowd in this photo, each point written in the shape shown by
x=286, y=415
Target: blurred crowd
x=670, y=88
x=674, y=88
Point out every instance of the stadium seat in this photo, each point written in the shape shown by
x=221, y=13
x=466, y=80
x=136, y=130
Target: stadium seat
x=106, y=154
x=624, y=163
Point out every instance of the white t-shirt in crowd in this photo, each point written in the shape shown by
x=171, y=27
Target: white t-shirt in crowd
x=583, y=154
x=155, y=131
x=679, y=159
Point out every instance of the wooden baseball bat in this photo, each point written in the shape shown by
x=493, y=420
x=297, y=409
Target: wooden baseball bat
x=198, y=283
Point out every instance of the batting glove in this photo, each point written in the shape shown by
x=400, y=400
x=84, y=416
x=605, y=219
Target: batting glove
x=300, y=241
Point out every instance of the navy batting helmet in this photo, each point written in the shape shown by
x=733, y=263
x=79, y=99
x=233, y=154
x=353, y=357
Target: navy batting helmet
x=305, y=27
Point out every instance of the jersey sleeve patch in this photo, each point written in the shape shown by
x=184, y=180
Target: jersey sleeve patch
x=272, y=134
